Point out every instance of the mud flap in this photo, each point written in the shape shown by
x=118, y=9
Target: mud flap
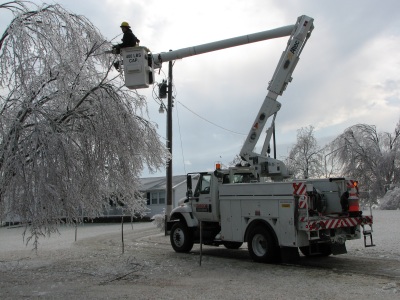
x=338, y=248
x=289, y=254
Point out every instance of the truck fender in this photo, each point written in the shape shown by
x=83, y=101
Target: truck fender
x=262, y=222
x=184, y=214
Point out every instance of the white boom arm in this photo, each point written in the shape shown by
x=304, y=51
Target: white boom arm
x=282, y=76
x=159, y=58
x=139, y=63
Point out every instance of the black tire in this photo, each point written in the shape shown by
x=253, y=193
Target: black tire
x=262, y=246
x=232, y=245
x=181, y=237
x=323, y=250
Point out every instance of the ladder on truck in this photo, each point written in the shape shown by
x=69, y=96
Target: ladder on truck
x=366, y=233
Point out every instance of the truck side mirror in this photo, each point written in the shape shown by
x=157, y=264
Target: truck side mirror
x=189, y=192
x=189, y=182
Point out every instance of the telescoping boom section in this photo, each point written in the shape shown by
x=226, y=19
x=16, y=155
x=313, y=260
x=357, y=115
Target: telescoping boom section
x=139, y=63
x=265, y=165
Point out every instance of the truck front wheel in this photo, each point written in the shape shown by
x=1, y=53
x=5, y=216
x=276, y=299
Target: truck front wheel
x=262, y=246
x=181, y=237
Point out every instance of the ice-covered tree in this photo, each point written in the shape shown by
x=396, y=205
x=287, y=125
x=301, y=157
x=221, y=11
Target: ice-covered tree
x=391, y=200
x=332, y=165
x=371, y=157
x=71, y=135
x=305, y=157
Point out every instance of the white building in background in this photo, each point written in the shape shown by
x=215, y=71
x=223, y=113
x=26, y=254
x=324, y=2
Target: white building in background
x=155, y=189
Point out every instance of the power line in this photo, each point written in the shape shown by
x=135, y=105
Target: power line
x=180, y=137
x=209, y=121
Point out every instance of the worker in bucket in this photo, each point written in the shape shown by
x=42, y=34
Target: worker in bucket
x=344, y=202
x=128, y=40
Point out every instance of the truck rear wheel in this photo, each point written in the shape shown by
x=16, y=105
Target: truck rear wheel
x=181, y=237
x=262, y=246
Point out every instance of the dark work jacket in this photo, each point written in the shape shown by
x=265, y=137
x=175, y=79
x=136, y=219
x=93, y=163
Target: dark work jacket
x=344, y=201
x=129, y=39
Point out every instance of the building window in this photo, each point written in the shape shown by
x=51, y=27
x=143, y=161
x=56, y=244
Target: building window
x=157, y=198
x=154, y=198
x=161, y=198
x=148, y=198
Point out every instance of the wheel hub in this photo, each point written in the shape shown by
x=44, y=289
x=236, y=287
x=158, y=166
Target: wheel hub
x=179, y=237
x=259, y=245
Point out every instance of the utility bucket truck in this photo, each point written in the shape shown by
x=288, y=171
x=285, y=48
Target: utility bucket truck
x=257, y=204
x=234, y=206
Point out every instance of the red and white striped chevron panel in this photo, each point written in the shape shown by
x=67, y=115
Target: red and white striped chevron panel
x=299, y=188
x=336, y=222
x=303, y=202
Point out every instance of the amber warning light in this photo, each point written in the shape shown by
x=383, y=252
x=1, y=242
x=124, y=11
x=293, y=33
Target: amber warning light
x=218, y=166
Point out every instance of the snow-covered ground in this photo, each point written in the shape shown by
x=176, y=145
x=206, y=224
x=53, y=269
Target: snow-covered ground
x=11, y=238
x=94, y=267
x=386, y=236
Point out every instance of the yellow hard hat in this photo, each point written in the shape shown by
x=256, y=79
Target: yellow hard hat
x=125, y=24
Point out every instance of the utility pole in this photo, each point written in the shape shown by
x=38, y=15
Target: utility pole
x=169, y=147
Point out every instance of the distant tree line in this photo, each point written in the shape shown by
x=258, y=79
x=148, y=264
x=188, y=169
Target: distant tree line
x=360, y=152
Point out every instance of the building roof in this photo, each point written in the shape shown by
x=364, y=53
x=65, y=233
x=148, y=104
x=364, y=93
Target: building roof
x=160, y=183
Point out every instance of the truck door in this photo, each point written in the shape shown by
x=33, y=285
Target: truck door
x=202, y=203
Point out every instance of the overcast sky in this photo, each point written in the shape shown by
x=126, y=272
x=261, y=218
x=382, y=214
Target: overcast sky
x=348, y=72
